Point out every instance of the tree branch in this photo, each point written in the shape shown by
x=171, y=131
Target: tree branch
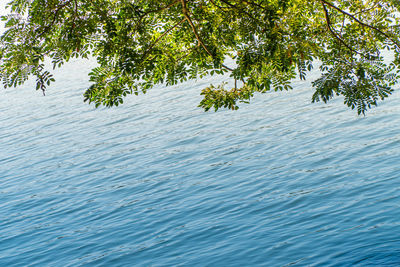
x=241, y=9
x=185, y=12
x=186, y=52
x=47, y=28
x=160, y=37
x=255, y=4
x=376, y=4
x=360, y=22
x=220, y=7
x=189, y=20
x=161, y=8
x=333, y=32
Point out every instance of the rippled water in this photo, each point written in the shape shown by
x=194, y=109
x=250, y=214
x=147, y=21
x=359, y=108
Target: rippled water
x=158, y=182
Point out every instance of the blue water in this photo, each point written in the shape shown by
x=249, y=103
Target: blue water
x=159, y=182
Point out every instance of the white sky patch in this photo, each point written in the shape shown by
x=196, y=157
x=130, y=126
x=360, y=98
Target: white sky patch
x=2, y=12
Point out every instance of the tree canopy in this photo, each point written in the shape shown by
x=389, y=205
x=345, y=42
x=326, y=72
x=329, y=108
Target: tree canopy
x=141, y=43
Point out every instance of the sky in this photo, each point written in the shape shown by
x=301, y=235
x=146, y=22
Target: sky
x=2, y=12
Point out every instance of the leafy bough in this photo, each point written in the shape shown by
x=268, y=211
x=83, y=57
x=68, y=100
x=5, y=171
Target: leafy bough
x=139, y=44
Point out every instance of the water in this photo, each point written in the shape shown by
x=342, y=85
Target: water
x=158, y=182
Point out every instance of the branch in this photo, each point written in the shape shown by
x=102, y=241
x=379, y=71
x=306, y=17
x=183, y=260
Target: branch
x=220, y=7
x=255, y=4
x=229, y=4
x=160, y=37
x=360, y=22
x=189, y=20
x=187, y=52
x=368, y=9
x=329, y=26
x=76, y=7
x=161, y=8
x=47, y=28
x=241, y=9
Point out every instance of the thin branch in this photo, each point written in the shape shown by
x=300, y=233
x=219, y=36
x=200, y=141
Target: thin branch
x=376, y=4
x=226, y=67
x=189, y=20
x=254, y=4
x=160, y=37
x=47, y=28
x=161, y=8
x=360, y=22
x=75, y=15
x=187, y=53
x=241, y=9
x=329, y=26
x=220, y=7
x=229, y=4
x=185, y=12
x=344, y=20
x=76, y=7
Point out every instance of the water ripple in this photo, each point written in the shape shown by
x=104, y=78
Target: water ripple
x=158, y=182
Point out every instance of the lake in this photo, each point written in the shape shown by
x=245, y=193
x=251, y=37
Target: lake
x=159, y=182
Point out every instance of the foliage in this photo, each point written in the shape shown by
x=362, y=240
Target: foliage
x=141, y=43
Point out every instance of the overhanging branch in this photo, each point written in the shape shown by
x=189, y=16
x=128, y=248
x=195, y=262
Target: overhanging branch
x=185, y=12
x=48, y=27
x=360, y=22
x=333, y=32
x=160, y=37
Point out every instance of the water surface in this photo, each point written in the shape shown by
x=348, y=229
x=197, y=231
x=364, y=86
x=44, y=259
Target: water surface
x=159, y=182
